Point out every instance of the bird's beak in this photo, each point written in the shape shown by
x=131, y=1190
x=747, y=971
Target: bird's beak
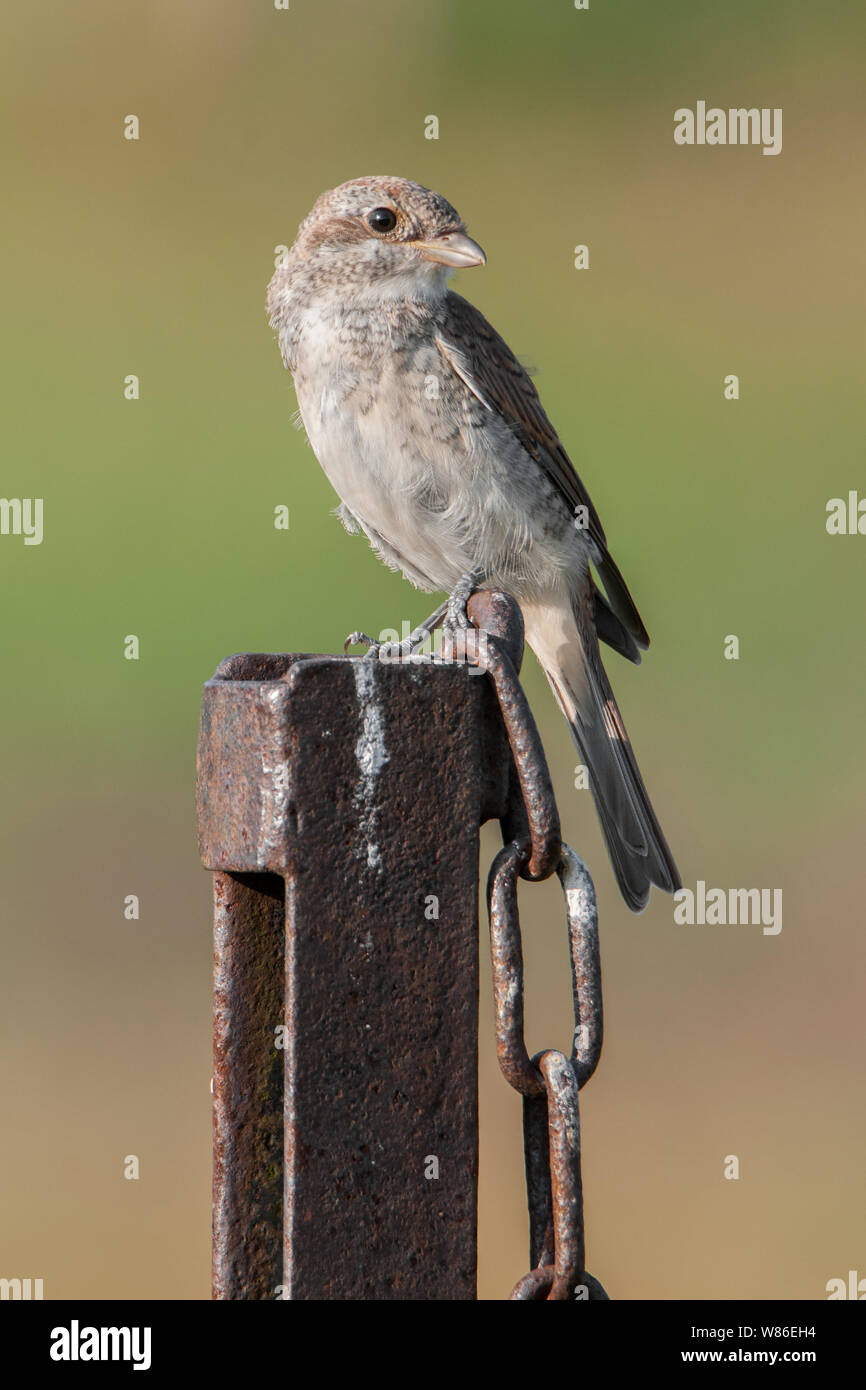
x=454, y=248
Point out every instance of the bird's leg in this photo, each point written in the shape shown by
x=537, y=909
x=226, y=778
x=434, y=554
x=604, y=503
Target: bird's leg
x=416, y=639
x=398, y=651
x=453, y=611
x=456, y=617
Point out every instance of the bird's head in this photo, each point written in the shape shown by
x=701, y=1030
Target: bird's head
x=381, y=238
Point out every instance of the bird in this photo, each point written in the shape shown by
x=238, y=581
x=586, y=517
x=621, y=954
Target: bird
x=434, y=438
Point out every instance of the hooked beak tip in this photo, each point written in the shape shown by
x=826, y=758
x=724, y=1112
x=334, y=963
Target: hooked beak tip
x=454, y=249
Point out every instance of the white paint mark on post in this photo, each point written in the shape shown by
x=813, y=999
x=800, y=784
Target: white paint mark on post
x=275, y=790
x=372, y=756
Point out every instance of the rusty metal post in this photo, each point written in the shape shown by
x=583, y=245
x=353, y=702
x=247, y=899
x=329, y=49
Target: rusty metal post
x=339, y=803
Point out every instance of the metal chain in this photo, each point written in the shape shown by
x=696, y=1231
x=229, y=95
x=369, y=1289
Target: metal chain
x=549, y=1082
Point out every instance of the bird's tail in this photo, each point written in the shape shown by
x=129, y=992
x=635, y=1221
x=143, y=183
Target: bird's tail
x=565, y=642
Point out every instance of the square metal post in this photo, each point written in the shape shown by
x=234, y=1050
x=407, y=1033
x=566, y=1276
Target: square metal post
x=339, y=804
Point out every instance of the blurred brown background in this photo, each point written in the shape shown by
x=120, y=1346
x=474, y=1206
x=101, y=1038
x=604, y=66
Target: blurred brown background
x=152, y=257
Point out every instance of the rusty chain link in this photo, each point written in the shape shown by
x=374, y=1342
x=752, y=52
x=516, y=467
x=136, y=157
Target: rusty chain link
x=549, y=1082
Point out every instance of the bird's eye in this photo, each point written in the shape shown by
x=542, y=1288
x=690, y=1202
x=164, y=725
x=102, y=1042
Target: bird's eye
x=382, y=219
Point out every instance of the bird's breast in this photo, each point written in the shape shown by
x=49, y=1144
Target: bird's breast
x=359, y=392
x=422, y=463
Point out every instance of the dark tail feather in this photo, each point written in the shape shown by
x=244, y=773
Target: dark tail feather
x=637, y=847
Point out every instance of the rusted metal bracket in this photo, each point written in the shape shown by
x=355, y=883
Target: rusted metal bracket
x=339, y=803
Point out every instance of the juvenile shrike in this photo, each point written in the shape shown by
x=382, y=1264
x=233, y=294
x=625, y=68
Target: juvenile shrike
x=433, y=436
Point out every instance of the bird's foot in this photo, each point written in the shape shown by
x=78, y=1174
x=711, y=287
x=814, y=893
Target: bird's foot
x=398, y=651
x=452, y=614
x=356, y=639
x=456, y=617
x=462, y=643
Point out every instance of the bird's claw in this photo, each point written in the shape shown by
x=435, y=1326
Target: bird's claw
x=398, y=651
x=456, y=617
x=356, y=639
x=452, y=614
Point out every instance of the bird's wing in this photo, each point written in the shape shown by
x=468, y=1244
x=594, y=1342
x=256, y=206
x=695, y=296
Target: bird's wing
x=488, y=367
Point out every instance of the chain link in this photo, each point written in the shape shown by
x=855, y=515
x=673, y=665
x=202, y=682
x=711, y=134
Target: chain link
x=549, y=1082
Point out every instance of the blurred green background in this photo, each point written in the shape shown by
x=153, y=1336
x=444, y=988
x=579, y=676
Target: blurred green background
x=556, y=128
